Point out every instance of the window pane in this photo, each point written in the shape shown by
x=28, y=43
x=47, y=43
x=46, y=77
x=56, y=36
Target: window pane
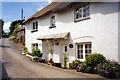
x=80, y=51
x=78, y=13
x=36, y=25
x=35, y=45
x=33, y=26
x=78, y=56
x=81, y=56
x=86, y=11
x=53, y=21
x=65, y=48
x=87, y=49
x=77, y=46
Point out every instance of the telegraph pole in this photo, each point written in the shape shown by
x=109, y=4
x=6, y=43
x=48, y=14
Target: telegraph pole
x=22, y=14
x=22, y=17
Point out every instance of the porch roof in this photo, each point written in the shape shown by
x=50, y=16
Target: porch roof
x=54, y=36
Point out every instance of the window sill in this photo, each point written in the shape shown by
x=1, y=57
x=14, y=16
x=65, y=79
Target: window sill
x=82, y=19
x=34, y=31
x=52, y=27
x=81, y=59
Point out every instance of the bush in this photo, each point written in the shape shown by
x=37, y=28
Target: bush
x=36, y=52
x=25, y=50
x=65, y=60
x=36, y=59
x=42, y=61
x=94, y=59
x=96, y=63
x=74, y=64
x=88, y=69
x=81, y=67
x=50, y=62
x=110, y=69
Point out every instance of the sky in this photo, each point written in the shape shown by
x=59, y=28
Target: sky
x=11, y=11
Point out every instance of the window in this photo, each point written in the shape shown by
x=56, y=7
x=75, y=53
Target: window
x=52, y=22
x=35, y=26
x=82, y=13
x=35, y=45
x=80, y=51
x=65, y=48
x=87, y=49
x=83, y=49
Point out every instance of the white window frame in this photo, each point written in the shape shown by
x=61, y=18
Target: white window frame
x=84, y=54
x=77, y=12
x=35, y=25
x=36, y=45
x=52, y=21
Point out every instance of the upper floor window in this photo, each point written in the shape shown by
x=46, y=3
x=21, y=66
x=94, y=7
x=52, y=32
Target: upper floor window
x=35, y=26
x=82, y=13
x=52, y=22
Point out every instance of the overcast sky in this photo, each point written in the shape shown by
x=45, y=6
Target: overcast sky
x=11, y=11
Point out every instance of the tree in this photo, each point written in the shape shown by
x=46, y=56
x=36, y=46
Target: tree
x=13, y=25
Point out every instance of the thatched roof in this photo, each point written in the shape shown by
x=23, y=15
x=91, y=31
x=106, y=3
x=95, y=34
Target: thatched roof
x=54, y=7
x=19, y=29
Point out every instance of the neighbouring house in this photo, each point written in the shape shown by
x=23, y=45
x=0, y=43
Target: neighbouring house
x=74, y=28
x=20, y=35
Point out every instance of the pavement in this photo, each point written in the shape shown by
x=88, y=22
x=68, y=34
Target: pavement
x=16, y=65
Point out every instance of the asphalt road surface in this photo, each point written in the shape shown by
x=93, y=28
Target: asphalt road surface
x=16, y=65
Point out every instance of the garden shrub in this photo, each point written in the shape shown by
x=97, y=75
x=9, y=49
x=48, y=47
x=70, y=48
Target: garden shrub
x=25, y=50
x=88, y=69
x=81, y=67
x=35, y=59
x=65, y=60
x=50, y=62
x=74, y=64
x=36, y=52
x=94, y=59
x=96, y=63
x=110, y=69
x=42, y=61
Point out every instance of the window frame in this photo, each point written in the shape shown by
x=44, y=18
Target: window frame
x=65, y=48
x=52, y=22
x=34, y=45
x=35, y=26
x=83, y=49
x=82, y=8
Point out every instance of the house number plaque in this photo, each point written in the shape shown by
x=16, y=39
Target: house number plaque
x=71, y=45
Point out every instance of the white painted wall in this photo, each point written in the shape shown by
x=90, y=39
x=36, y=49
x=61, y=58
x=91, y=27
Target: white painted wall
x=102, y=27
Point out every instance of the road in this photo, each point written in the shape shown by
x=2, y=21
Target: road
x=16, y=65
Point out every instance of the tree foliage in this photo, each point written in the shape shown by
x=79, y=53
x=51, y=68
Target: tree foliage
x=13, y=25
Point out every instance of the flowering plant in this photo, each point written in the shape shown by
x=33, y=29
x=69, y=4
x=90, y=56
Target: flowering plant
x=110, y=69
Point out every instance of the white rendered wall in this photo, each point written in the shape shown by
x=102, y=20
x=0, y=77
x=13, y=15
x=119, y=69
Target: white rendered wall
x=102, y=27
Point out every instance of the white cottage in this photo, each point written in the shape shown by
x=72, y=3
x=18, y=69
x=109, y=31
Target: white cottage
x=74, y=28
